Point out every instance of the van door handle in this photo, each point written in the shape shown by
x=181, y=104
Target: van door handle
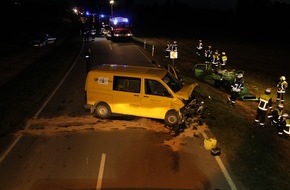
x=146, y=96
x=136, y=95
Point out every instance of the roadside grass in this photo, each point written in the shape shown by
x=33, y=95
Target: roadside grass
x=256, y=156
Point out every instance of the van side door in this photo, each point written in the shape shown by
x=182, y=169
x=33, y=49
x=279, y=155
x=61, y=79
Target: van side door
x=156, y=100
x=126, y=97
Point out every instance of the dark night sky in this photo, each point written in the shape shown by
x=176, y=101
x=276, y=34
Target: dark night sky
x=207, y=4
x=212, y=4
x=261, y=16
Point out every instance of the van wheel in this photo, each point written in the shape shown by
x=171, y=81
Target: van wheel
x=171, y=118
x=103, y=111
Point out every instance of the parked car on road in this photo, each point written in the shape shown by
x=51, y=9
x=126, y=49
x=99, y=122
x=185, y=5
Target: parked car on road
x=42, y=40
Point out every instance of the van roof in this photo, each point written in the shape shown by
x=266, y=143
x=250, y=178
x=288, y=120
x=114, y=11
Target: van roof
x=131, y=70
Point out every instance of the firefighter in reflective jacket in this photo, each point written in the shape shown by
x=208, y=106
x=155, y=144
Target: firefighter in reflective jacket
x=215, y=60
x=199, y=48
x=285, y=124
x=236, y=88
x=168, y=49
x=224, y=60
x=281, y=88
x=265, y=104
x=275, y=116
x=174, y=46
x=208, y=54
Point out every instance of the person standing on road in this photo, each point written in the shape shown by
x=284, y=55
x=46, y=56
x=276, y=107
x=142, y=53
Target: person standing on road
x=208, y=54
x=215, y=60
x=265, y=104
x=199, y=48
x=174, y=46
x=87, y=34
x=88, y=57
x=168, y=49
x=224, y=60
x=236, y=88
x=275, y=116
x=281, y=89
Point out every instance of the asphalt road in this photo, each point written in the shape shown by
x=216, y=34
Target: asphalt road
x=65, y=147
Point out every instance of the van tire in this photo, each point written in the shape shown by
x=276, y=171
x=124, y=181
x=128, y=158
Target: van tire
x=103, y=110
x=171, y=118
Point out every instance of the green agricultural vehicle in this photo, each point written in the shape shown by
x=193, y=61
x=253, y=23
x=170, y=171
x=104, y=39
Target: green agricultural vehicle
x=221, y=79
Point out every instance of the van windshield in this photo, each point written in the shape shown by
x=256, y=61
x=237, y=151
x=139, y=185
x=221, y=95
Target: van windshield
x=172, y=82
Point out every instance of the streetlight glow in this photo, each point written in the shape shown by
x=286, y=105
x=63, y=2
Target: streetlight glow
x=111, y=3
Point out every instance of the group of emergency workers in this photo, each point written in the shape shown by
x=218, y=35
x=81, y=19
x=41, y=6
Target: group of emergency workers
x=216, y=59
x=217, y=62
x=170, y=47
x=278, y=118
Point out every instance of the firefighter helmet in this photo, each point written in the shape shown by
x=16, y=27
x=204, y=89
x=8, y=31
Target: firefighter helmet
x=282, y=78
x=280, y=106
x=223, y=53
x=285, y=115
x=240, y=75
x=268, y=91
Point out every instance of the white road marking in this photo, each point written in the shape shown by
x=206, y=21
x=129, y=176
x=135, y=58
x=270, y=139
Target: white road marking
x=101, y=172
x=58, y=86
x=3, y=156
x=225, y=172
x=11, y=146
x=223, y=168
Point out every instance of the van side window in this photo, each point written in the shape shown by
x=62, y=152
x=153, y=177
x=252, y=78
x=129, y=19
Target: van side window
x=127, y=84
x=154, y=87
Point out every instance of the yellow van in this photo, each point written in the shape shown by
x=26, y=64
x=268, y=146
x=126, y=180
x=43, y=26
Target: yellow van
x=138, y=91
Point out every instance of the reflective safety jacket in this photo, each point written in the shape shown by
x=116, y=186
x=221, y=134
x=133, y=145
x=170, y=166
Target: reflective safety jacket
x=265, y=102
x=275, y=115
x=208, y=53
x=224, y=60
x=286, y=126
x=215, y=58
x=174, y=47
x=237, y=85
x=282, y=85
x=199, y=46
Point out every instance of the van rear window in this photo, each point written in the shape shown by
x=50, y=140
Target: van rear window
x=127, y=84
